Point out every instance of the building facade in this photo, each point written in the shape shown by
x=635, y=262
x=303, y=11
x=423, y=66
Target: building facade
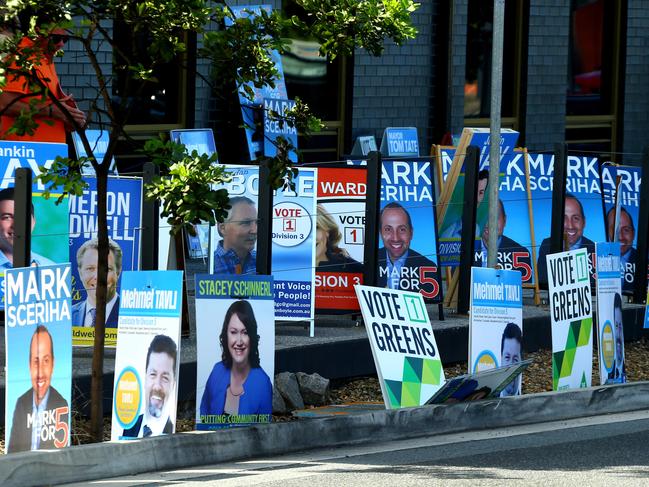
x=573, y=70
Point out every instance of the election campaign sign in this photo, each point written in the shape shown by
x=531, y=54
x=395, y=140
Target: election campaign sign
x=403, y=345
x=233, y=243
x=294, y=242
x=400, y=142
x=98, y=140
x=363, y=145
x=571, y=309
x=610, y=327
x=340, y=236
x=622, y=184
x=147, y=359
x=199, y=140
x=443, y=159
x=583, y=206
x=124, y=218
x=49, y=222
x=515, y=249
x=486, y=384
x=235, y=361
x=251, y=109
x=646, y=312
x=496, y=322
x=38, y=343
x=275, y=126
x=452, y=195
x=407, y=254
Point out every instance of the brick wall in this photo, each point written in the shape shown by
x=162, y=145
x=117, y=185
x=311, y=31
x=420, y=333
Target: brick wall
x=548, y=45
x=77, y=75
x=636, y=81
x=395, y=90
x=457, y=66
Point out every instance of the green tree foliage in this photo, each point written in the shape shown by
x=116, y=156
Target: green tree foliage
x=239, y=57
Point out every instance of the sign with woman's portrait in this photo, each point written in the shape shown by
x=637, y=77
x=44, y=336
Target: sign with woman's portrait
x=235, y=336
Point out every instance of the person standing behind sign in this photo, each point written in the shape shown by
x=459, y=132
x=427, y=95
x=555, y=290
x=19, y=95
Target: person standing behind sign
x=51, y=121
x=236, y=253
x=237, y=384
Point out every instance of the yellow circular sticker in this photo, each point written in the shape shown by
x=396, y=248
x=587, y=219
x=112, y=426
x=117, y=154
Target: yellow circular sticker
x=128, y=392
x=485, y=361
x=607, y=343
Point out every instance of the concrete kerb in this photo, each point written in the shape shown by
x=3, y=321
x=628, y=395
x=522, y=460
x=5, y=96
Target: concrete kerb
x=88, y=462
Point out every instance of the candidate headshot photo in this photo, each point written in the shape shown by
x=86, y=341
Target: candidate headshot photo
x=574, y=223
x=505, y=245
x=235, y=253
x=618, y=374
x=397, y=261
x=625, y=235
x=7, y=232
x=511, y=352
x=84, y=313
x=454, y=230
x=237, y=384
x=159, y=390
x=27, y=434
x=329, y=256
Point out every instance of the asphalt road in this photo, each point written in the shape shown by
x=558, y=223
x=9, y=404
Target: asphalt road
x=603, y=450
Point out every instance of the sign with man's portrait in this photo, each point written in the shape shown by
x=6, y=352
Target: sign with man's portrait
x=124, y=216
x=38, y=336
x=147, y=360
x=407, y=254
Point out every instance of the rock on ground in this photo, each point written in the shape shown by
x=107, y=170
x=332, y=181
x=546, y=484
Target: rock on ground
x=314, y=388
x=287, y=386
x=279, y=406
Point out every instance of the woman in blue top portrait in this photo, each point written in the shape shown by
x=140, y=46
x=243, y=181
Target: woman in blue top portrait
x=237, y=384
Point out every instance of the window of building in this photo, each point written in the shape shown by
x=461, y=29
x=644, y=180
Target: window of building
x=593, y=75
x=159, y=102
x=477, y=86
x=323, y=86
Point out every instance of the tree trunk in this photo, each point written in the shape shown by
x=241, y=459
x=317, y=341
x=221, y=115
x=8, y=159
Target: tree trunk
x=96, y=388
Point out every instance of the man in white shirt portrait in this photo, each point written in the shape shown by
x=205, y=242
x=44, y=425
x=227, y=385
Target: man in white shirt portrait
x=85, y=313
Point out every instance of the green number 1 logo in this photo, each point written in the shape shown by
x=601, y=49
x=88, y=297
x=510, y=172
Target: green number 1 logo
x=582, y=267
x=415, y=308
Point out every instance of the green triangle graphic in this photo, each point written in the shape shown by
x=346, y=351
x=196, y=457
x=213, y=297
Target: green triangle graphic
x=568, y=361
x=410, y=393
x=431, y=372
x=412, y=367
x=394, y=393
x=584, y=332
x=584, y=383
x=557, y=362
x=573, y=331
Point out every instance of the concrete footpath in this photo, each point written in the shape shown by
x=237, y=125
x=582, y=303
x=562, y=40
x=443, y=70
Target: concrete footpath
x=88, y=462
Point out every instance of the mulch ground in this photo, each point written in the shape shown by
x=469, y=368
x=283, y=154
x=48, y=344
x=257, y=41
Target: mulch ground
x=537, y=378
